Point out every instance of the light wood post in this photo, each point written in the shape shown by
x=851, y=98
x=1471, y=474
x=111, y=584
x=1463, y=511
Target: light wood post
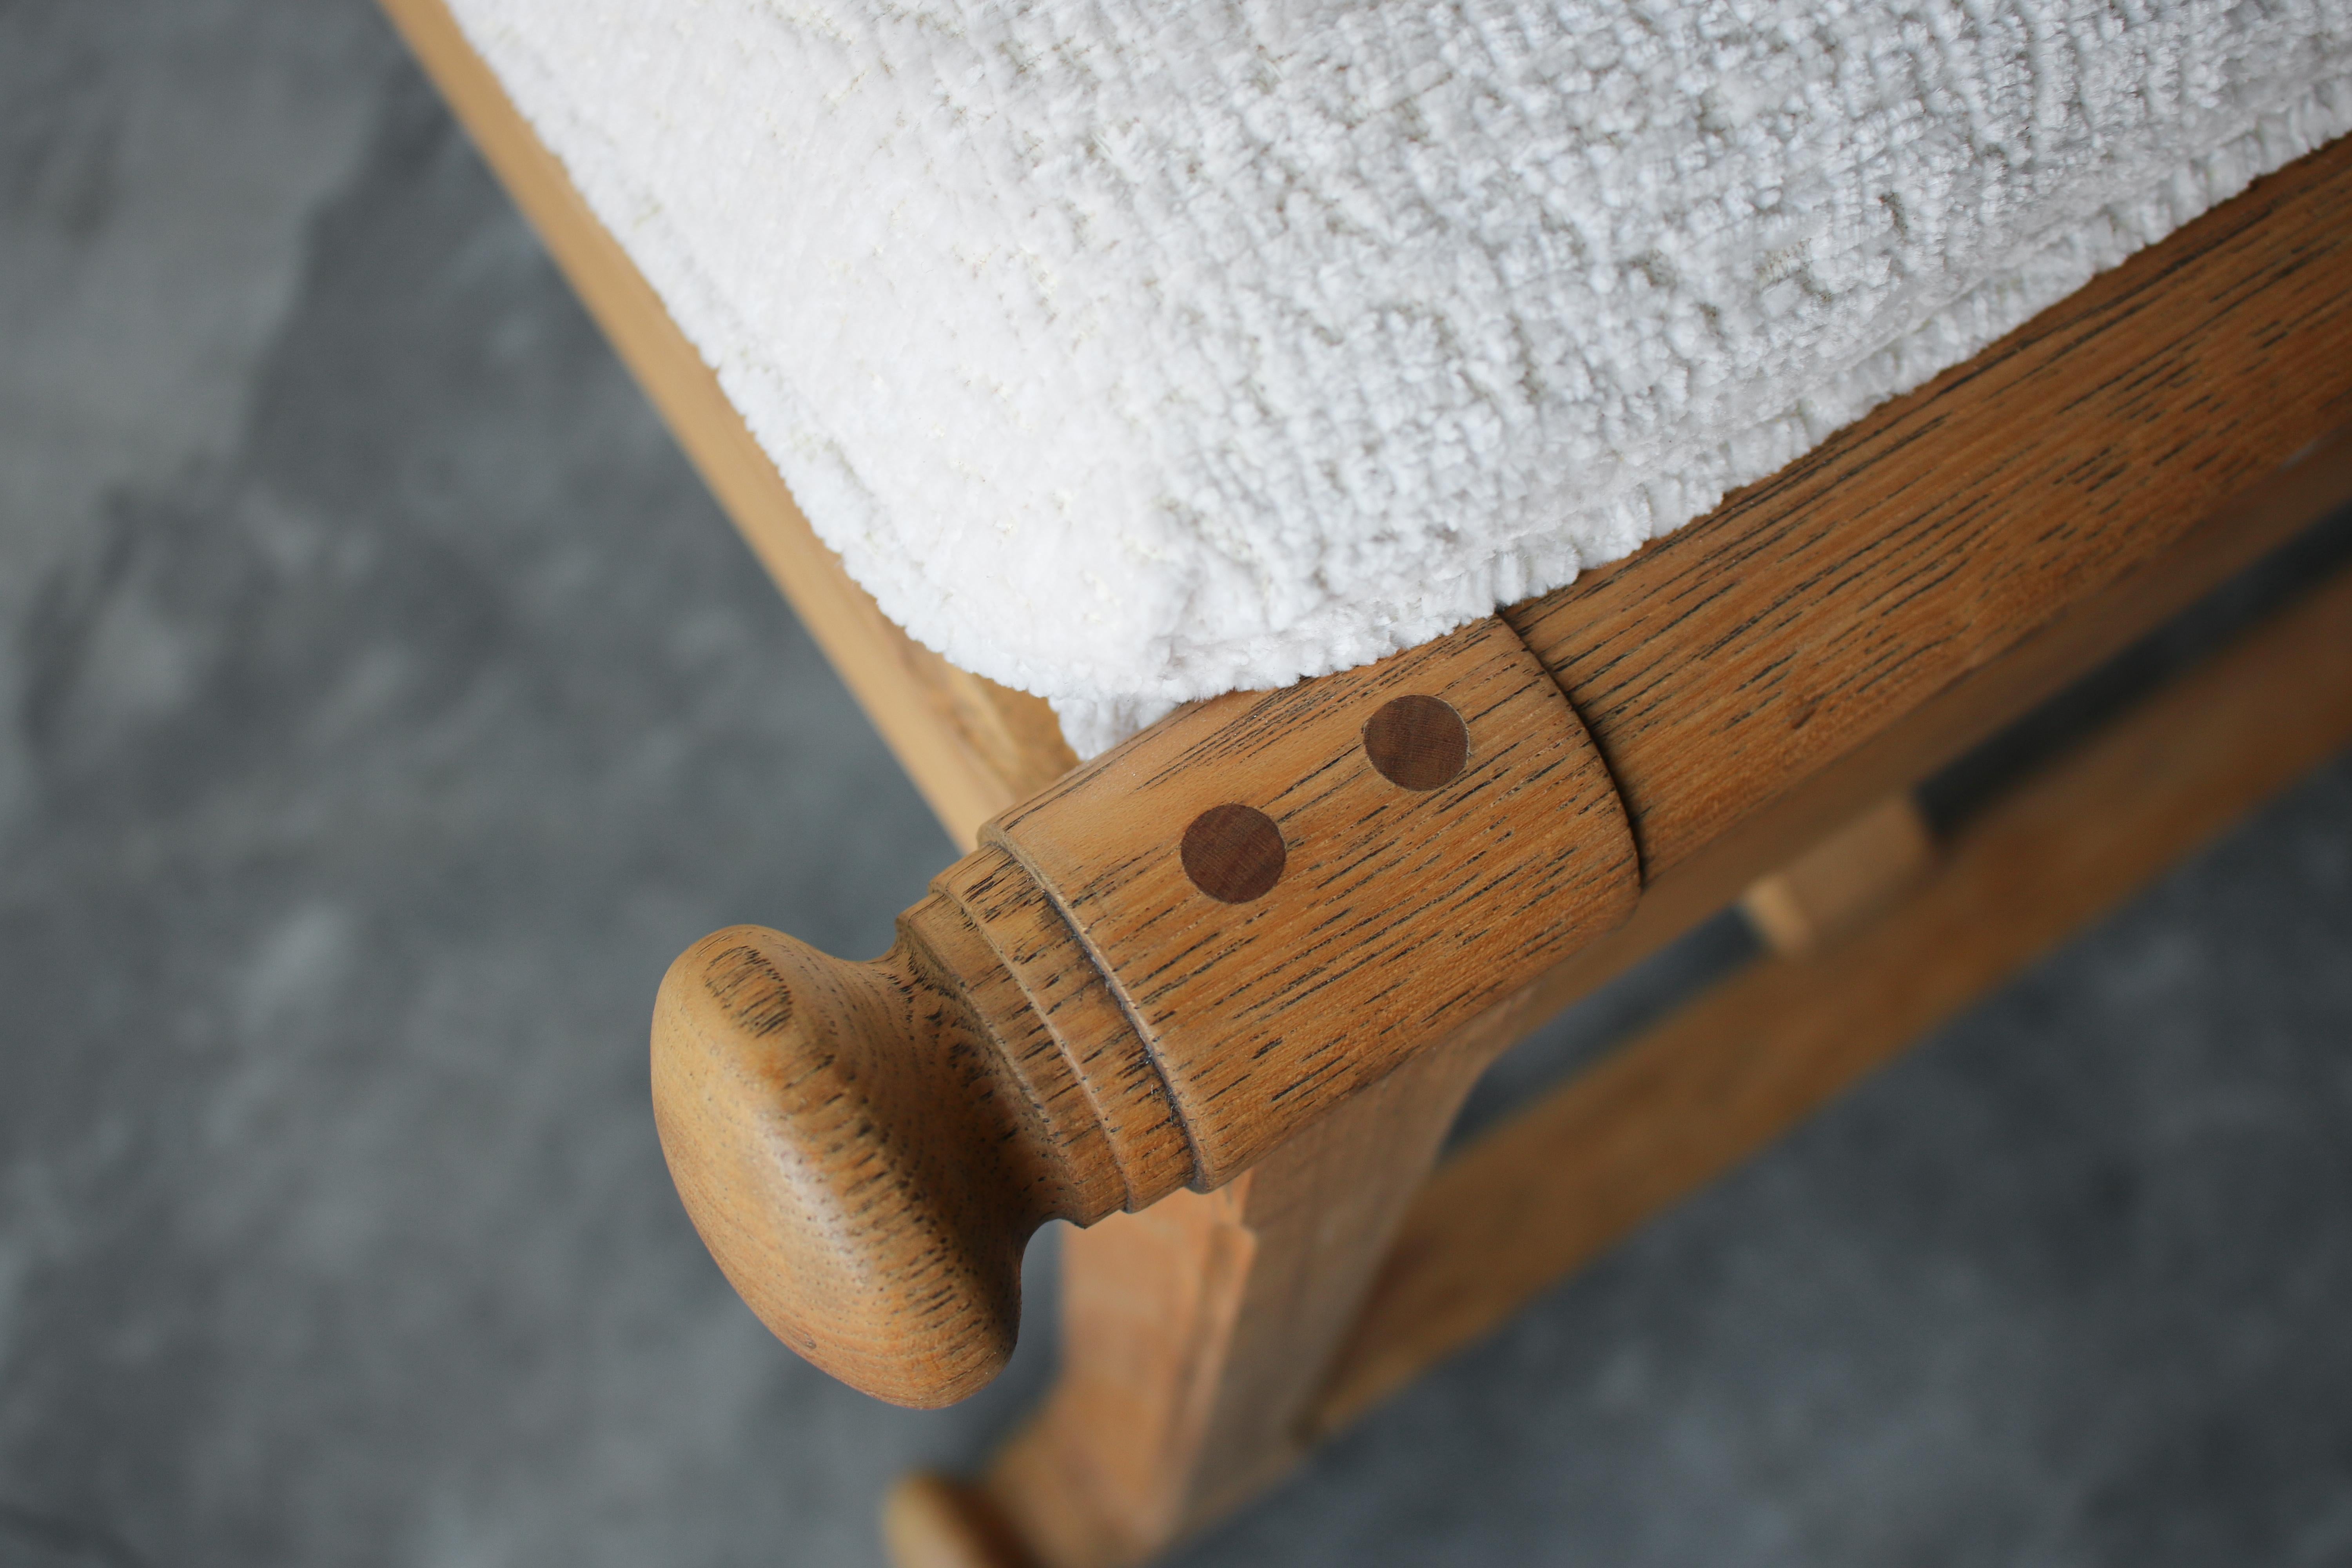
x=1198, y=1335
x=1841, y=882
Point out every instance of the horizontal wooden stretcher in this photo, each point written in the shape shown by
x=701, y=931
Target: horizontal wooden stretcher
x=1218, y=994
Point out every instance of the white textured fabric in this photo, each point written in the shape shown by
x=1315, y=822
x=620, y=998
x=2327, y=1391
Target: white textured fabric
x=1130, y=353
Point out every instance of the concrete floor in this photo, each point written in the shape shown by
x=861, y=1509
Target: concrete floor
x=385, y=704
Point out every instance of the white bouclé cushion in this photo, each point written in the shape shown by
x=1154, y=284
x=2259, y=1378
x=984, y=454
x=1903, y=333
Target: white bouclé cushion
x=1130, y=353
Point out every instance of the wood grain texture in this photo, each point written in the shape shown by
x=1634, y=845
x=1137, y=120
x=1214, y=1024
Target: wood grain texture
x=1777, y=580
x=1197, y=1334
x=1403, y=920
x=1105, y=1062
x=843, y=1148
x=970, y=746
x=867, y=1147
x=1719, y=1079
x=932, y=1520
x=1726, y=664
x=1401, y=913
x=1916, y=743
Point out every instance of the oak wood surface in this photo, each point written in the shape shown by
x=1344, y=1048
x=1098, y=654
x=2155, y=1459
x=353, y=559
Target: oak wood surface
x=1072, y=1023
x=1775, y=591
x=1717, y=1081
x=1197, y=1334
x=1693, y=1095
x=932, y=1520
x=970, y=746
x=1048, y=1038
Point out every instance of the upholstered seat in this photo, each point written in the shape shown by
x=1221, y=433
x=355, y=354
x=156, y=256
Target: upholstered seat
x=1130, y=353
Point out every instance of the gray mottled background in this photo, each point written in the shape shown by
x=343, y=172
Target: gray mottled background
x=385, y=704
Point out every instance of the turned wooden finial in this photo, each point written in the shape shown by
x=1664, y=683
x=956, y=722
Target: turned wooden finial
x=867, y=1148
x=832, y=1127
x=1151, y=974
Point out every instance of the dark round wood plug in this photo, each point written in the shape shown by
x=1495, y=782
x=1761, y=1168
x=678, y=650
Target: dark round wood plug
x=1417, y=742
x=1234, y=853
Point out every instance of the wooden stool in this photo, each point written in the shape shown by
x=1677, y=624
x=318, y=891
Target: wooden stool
x=1217, y=995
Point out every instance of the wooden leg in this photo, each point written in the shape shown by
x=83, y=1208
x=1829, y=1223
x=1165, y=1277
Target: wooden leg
x=1201, y=1330
x=1196, y=1336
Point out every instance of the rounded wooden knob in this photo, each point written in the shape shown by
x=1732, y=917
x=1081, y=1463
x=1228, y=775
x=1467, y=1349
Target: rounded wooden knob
x=841, y=1142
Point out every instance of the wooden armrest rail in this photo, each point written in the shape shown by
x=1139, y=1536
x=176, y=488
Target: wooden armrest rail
x=1173, y=960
